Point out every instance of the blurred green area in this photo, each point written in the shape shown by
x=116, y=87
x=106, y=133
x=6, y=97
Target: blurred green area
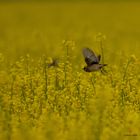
x=39, y=28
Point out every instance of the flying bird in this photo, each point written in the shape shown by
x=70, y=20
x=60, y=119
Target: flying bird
x=54, y=63
x=92, y=61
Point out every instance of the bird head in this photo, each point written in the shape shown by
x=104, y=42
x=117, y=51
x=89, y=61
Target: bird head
x=86, y=69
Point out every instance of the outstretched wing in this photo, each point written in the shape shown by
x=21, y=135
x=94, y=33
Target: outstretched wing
x=99, y=58
x=90, y=57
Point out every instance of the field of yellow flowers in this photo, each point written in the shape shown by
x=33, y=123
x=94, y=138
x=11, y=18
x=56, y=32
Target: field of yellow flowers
x=64, y=102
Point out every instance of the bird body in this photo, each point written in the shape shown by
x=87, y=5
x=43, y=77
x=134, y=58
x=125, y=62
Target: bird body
x=94, y=67
x=92, y=61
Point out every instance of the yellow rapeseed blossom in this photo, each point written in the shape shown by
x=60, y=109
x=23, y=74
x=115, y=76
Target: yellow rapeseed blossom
x=45, y=99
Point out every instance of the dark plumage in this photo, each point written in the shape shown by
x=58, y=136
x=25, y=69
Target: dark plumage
x=92, y=61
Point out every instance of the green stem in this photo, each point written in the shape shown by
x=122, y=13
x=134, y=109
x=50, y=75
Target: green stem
x=125, y=72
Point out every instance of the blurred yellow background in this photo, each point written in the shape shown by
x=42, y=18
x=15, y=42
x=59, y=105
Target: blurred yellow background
x=41, y=100
x=36, y=27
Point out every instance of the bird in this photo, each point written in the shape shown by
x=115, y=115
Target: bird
x=54, y=63
x=92, y=61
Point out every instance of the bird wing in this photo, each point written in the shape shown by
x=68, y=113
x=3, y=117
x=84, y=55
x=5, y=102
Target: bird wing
x=90, y=57
x=99, y=58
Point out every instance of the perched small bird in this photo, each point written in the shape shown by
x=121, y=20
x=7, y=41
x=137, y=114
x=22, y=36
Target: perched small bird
x=54, y=63
x=92, y=61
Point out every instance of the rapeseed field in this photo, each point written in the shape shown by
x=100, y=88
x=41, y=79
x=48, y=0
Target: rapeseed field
x=43, y=99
